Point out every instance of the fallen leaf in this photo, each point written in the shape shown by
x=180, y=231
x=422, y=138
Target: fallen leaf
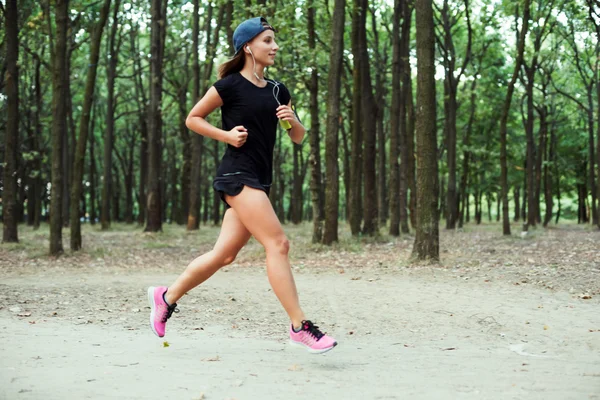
x=449, y=348
x=165, y=344
x=545, y=327
x=24, y=314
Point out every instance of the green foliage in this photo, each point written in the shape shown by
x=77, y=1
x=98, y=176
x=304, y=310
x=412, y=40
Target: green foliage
x=568, y=51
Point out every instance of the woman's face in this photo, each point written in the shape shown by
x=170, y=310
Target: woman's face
x=264, y=48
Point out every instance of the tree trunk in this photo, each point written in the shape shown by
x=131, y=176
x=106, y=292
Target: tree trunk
x=531, y=164
x=467, y=154
x=35, y=146
x=84, y=126
x=141, y=99
x=355, y=188
x=173, y=177
x=115, y=196
x=154, y=200
x=598, y=125
x=11, y=149
x=592, y=159
x=406, y=139
x=69, y=140
x=451, y=83
x=296, y=189
x=380, y=107
x=426, y=244
x=330, y=232
x=524, y=198
x=516, y=193
x=315, y=141
x=540, y=156
x=111, y=72
x=129, y=183
x=370, y=226
x=411, y=165
x=59, y=123
x=395, y=122
x=93, y=173
x=548, y=171
x=186, y=138
x=193, y=221
x=504, y=120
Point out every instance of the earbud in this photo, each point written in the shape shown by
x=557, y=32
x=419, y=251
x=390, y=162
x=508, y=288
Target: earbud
x=249, y=49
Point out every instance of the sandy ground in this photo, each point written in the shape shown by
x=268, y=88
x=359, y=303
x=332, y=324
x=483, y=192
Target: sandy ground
x=424, y=333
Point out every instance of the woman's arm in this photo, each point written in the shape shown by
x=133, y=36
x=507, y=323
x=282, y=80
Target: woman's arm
x=196, y=121
x=287, y=114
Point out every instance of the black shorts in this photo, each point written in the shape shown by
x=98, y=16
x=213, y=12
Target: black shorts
x=233, y=186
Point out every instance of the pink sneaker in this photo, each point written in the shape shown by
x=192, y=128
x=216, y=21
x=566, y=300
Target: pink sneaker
x=160, y=311
x=311, y=338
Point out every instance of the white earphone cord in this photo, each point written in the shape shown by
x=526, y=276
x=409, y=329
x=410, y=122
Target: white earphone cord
x=275, y=84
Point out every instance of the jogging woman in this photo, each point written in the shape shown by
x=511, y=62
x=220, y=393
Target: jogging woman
x=251, y=108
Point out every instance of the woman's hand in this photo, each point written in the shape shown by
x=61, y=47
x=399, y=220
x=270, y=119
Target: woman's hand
x=237, y=136
x=286, y=113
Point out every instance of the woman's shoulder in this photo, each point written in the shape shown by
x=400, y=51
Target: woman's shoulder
x=227, y=87
x=229, y=79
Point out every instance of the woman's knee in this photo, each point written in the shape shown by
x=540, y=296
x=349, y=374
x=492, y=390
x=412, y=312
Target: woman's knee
x=225, y=257
x=280, y=244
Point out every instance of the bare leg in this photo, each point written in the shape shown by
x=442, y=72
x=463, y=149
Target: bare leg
x=232, y=238
x=256, y=213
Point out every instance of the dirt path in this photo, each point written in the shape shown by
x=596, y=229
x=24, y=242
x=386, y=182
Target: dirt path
x=424, y=334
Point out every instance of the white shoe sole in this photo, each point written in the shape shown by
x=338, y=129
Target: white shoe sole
x=312, y=351
x=152, y=308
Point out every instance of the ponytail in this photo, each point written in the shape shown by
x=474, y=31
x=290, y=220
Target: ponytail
x=235, y=64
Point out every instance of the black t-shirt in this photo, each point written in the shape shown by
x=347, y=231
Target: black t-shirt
x=255, y=108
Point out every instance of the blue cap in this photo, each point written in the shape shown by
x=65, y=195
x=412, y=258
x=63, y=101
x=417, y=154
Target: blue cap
x=248, y=30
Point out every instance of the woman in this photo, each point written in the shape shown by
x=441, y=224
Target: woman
x=251, y=108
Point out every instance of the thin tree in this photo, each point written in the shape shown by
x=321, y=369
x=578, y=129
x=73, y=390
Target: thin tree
x=193, y=220
x=406, y=137
x=368, y=125
x=9, y=194
x=449, y=21
x=355, y=188
x=59, y=122
x=114, y=46
x=595, y=17
x=395, y=119
x=84, y=126
x=426, y=246
x=154, y=198
x=315, y=126
x=504, y=119
x=330, y=231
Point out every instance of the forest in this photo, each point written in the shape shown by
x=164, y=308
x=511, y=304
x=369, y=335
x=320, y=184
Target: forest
x=418, y=113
